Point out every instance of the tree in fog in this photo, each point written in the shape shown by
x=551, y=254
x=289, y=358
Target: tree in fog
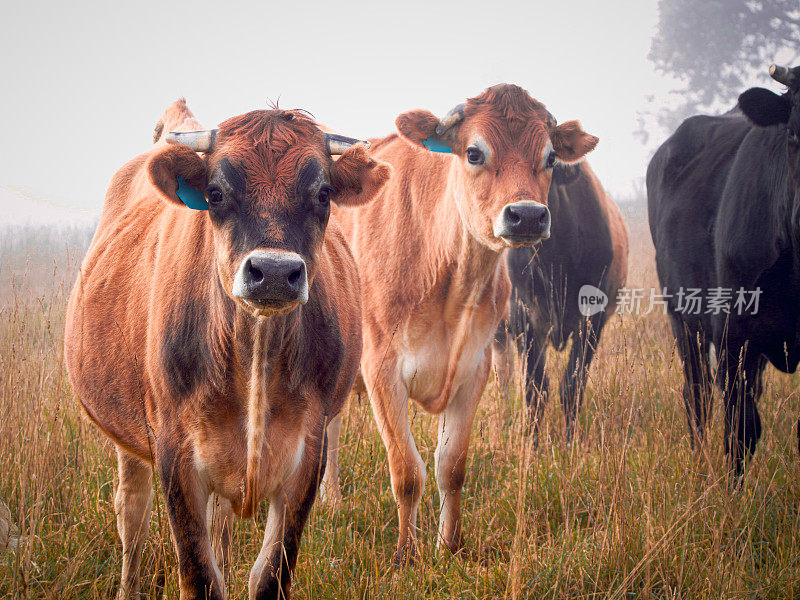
x=716, y=48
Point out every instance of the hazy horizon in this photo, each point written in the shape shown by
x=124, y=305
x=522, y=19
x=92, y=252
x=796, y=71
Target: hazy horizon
x=89, y=82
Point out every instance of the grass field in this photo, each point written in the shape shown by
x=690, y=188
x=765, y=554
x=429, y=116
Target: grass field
x=625, y=511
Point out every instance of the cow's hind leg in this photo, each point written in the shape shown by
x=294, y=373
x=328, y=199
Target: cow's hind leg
x=187, y=505
x=573, y=383
x=271, y=575
x=329, y=491
x=132, y=504
x=219, y=516
x=698, y=396
x=455, y=430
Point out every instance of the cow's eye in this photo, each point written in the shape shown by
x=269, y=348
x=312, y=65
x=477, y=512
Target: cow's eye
x=214, y=196
x=324, y=195
x=550, y=162
x=475, y=156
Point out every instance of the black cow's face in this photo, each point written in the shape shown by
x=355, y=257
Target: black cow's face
x=765, y=108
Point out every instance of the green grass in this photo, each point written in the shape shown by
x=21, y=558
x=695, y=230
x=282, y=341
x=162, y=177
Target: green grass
x=625, y=511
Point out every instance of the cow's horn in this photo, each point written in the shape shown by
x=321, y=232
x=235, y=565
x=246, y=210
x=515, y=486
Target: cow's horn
x=551, y=120
x=338, y=144
x=450, y=119
x=782, y=75
x=199, y=141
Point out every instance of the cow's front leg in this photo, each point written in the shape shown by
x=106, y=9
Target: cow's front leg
x=132, y=504
x=744, y=379
x=329, y=491
x=390, y=407
x=219, y=516
x=573, y=383
x=271, y=575
x=455, y=430
x=186, y=497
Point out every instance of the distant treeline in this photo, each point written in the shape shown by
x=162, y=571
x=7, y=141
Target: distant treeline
x=44, y=239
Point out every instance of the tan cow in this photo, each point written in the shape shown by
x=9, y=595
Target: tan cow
x=433, y=285
x=216, y=345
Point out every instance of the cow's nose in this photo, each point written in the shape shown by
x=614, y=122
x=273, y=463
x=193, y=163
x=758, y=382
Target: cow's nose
x=524, y=222
x=272, y=278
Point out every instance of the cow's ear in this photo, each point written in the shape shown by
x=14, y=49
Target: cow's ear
x=764, y=108
x=357, y=177
x=167, y=165
x=571, y=143
x=417, y=126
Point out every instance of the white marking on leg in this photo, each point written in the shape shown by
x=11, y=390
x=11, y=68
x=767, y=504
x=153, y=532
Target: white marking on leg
x=330, y=492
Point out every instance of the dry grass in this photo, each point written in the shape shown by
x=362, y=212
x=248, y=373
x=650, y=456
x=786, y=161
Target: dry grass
x=626, y=511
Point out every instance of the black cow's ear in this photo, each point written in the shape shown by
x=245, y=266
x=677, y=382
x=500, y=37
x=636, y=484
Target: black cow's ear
x=764, y=108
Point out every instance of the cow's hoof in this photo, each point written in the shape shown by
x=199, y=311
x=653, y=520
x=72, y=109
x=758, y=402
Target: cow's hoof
x=459, y=552
x=404, y=557
x=331, y=498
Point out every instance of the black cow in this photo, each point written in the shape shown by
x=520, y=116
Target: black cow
x=588, y=246
x=723, y=205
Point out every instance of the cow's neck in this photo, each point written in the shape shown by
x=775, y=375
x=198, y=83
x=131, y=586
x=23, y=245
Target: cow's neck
x=464, y=271
x=462, y=264
x=259, y=341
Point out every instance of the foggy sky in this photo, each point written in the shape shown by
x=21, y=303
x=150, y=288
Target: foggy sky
x=84, y=83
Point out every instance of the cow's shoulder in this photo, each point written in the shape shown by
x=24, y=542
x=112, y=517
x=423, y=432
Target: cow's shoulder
x=752, y=224
x=699, y=152
x=195, y=340
x=580, y=220
x=191, y=318
x=685, y=183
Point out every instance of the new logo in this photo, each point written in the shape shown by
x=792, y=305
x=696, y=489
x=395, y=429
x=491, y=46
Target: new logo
x=591, y=300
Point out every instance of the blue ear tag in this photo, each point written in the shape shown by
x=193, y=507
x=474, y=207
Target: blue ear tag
x=435, y=144
x=190, y=196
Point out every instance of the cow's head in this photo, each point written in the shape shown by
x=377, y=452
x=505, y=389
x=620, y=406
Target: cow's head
x=506, y=144
x=764, y=108
x=268, y=178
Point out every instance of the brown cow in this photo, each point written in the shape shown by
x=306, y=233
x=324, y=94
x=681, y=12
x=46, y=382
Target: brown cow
x=215, y=345
x=433, y=285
